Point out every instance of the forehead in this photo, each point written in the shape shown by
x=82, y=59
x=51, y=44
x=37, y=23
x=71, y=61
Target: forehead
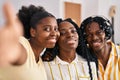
x=48, y=20
x=94, y=26
x=66, y=25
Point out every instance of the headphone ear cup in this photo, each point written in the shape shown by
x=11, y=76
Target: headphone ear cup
x=111, y=31
x=110, y=28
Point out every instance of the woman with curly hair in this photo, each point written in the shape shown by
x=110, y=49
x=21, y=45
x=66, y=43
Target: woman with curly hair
x=97, y=32
x=69, y=59
x=40, y=32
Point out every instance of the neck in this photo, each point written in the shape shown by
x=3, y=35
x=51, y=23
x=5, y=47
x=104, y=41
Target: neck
x=36, y=49
x=67, y=56
x=104, y=52
x=103, y=55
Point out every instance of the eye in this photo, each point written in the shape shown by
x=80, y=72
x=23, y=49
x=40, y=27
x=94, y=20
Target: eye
x=73, y=31
x=100, y=32
x=62, y=33
x=56, y=29
x=47, y=28
x=88, y=35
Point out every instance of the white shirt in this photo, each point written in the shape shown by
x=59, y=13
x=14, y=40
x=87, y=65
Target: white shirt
x=76, y=70
x=42, y=52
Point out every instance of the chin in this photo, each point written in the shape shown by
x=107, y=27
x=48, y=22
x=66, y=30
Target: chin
x=51, y=46
x=72, y=47
x=97, y=49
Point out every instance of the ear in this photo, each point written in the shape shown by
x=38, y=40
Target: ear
x=32, y=32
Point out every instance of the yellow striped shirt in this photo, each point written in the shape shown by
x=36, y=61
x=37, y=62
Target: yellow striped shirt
x=112, y=71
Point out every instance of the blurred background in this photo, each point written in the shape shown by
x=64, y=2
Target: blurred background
x=78, y=10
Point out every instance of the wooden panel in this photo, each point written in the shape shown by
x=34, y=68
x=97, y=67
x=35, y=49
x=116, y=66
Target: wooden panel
x=73, y=10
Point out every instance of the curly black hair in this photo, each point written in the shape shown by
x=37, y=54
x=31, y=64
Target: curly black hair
x=30, y=16
x=81, y=50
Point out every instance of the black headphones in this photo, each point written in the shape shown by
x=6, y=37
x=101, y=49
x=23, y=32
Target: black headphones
x=107, y=26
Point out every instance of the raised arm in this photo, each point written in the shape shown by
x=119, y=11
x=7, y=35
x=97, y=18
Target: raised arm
x=10, y=49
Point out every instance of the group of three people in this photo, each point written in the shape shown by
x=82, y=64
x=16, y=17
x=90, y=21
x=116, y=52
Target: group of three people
x=58, y=48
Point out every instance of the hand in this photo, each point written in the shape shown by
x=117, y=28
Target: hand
x=9, y=37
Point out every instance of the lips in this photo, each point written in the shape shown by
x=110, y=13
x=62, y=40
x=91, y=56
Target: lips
x=71, y=41
x=53, y=40
x=96, y=44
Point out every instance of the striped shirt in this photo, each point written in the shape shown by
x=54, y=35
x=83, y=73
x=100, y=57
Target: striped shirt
x=112, y=70
x=76, y=70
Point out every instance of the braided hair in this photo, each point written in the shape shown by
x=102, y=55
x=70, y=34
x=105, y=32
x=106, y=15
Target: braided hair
x=103, y=22
x=30, y=17
x=82, y=49
x=104, y=25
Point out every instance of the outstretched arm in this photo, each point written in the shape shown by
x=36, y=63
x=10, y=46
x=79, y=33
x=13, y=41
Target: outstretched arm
x=11, y=50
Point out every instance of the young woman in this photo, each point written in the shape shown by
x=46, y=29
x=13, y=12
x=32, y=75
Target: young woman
x=40, y=31
x=69, y=59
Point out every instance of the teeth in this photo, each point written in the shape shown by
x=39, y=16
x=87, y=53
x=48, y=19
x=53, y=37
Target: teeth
x=52, y=40
x=96, y=44
x=71, y=41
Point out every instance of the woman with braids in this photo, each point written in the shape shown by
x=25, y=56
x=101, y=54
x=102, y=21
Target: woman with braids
x=68, y=60
x=97, y=32
x=41, y=31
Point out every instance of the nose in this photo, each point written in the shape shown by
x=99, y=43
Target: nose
x=55, y=33
x=69, y=34
x=94, y=37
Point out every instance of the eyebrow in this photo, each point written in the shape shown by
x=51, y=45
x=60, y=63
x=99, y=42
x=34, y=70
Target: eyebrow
x=69, y=28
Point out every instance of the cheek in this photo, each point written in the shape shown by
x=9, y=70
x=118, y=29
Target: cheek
x=104, y=37
x=61, y=41
x=88, y=40
x=58, y=35
x=77, y=43
x=43, y=34
x=41, y=37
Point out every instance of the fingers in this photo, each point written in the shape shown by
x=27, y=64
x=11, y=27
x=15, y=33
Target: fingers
x=12, y=20
x=10, y=14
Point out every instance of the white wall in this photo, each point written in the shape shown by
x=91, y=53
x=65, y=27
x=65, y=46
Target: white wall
x=98, y=7
x=86, y=7
x=89, y=7
x=104, y=6
x=50, y=5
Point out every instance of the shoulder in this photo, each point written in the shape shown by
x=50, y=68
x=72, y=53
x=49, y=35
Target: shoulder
x=23, y=40
x=117, y=49
x=30, y=54
x=84, y=61
x=80, y=58
x=25, y=43
x=49, y=62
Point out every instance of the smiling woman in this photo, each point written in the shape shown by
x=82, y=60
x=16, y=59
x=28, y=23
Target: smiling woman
x=68, y=60
x=23, y=61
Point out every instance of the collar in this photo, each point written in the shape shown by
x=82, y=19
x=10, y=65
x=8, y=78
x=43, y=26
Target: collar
x=113, y=49
x=42, y=52
x=59, y=61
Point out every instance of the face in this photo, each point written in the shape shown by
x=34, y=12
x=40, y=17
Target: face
x=95, y=37
x=46, y=33
x=68, y=39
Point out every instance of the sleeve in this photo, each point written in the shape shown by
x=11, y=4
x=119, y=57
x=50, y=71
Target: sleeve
x=118, y=52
